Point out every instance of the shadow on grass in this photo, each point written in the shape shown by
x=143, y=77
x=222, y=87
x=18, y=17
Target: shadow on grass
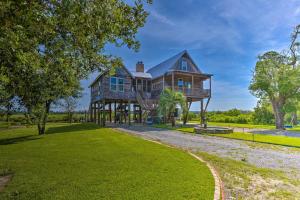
x=18, y=139
x=72, y=128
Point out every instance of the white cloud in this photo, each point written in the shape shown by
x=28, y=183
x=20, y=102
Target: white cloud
x=161, y=18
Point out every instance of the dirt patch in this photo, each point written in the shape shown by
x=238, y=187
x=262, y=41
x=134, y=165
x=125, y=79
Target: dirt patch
x=4, y=180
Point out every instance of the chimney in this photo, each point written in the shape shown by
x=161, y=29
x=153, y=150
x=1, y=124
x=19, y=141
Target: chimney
x=140, y=66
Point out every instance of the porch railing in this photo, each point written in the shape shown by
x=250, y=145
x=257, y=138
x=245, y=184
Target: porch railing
x=194, y=92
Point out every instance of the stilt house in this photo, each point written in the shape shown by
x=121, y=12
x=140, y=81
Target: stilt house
x=129, y=96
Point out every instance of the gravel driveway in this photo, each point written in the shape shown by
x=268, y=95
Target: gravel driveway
x=282, y=158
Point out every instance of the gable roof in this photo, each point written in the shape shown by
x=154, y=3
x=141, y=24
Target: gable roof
x=140, y=75
x=103, y=72
x=167, y=65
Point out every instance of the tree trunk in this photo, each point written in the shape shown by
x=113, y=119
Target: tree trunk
x=279, y=115
x=294, y=118
x=43, y=118
x=173, y=121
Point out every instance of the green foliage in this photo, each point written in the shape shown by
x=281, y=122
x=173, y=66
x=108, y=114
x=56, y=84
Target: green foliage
x=168, y=101
x=277, y=78
x=231, y=116
x=82, y=161
x=263, y=113
x=47, y=47
x=269, y=139
x=191, y=115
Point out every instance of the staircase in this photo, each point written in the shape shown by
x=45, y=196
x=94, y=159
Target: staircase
x=148, y=105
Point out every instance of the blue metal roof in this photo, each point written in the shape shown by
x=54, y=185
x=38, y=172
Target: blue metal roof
x=166, y=65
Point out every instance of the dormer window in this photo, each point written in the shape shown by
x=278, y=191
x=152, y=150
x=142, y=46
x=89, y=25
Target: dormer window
x=184, y=65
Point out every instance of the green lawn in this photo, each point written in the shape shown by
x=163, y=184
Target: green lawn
x=270, y=139
x=82, y=161
x=182, y=128
x=256, y=126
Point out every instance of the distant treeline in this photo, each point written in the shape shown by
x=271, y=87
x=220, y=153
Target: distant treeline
x=20, y=119
x=258, y=116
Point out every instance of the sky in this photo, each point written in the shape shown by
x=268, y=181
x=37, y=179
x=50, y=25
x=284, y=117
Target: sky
x=224, y=38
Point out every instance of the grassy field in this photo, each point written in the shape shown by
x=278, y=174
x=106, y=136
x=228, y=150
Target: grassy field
x=182, y=128
x=244, y=181
x=82, y=161
x=269, y=139
x=256, y=126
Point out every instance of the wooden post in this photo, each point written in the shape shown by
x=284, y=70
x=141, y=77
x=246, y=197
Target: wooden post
x=121, y=112
x=110, y=112
x=192, y=85
x=201, y=113
x=91, y=112
x=129, y=112
x=99, y=114
x=95, y=107
x=115, y=110
x=140, y=113
x=173, y=81
x=136, y=87
x=210, y=86
x=104, y=114
x=125, y=118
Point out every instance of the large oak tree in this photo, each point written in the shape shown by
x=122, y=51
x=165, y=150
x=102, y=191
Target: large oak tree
x=48, y=46
x=278, y=81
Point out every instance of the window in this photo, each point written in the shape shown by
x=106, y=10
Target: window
x=188, y=85
x=116, y=84
x=113, y=83
x=180, y=82
x=184, y=65
x=121, y=85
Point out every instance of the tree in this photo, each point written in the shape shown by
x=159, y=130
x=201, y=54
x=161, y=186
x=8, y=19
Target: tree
x=47, y=47
x=168, y=102
x=274, y=79
x=69, y=105
x=263, y=113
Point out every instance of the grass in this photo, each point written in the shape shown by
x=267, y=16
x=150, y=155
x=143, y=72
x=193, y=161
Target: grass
x=254, y=126
x=83, y=161
x=182, y=128
x=242, y=180
x=269, y=139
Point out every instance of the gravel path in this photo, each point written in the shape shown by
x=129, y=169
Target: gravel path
x=282, y=158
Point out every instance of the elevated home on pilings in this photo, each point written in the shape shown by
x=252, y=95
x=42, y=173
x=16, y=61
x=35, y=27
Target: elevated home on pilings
x=127, y=97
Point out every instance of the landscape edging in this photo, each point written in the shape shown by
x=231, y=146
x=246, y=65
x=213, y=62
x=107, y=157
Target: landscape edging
x=219, y=193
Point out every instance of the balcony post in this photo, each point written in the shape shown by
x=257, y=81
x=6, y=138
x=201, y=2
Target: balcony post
x=173, y=81
x=192, y=85
x=209, y=86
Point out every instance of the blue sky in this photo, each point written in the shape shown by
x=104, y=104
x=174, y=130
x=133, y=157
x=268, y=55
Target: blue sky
x=224, y=37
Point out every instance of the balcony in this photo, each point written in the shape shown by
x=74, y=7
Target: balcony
x=192, y=92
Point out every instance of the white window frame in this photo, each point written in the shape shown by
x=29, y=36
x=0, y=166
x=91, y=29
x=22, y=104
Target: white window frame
x=110, y=84
x=117, y=84
x=185, y=65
